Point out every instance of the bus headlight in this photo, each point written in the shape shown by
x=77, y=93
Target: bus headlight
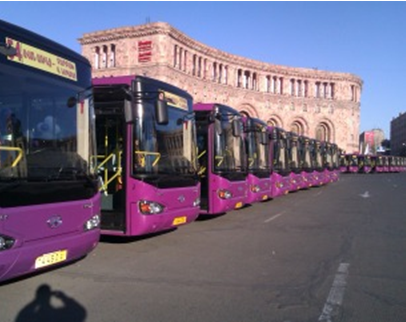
x=279, y=184
x=224, y=194
x=255, y=188
x=6, y=242
x=92, y=223
x=150, y=207
x=196, y=203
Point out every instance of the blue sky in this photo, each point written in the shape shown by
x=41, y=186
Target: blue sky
x=367, y=39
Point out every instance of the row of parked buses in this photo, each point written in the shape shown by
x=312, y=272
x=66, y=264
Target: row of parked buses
x=359, y=163
x=164, y=160
x=124, y=156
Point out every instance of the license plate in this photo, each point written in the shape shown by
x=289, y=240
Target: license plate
x=179, y=220
x=238, y=205
x=51, y=258
x=265, y=197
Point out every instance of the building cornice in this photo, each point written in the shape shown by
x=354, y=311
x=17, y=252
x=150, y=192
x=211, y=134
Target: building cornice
x=163, y=28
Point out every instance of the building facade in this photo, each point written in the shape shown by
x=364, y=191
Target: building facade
x=398, y=135
x=319, y=104
x=370, y=142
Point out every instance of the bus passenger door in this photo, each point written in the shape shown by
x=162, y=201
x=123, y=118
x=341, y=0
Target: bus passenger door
x=203, y=155
x=110, y=154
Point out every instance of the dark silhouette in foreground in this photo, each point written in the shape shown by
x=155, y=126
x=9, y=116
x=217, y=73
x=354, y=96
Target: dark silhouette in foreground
x=42, y=310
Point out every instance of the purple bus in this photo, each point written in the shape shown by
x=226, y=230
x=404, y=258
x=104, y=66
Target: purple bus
x=402, y=164
x=259, y=160
x=147, y=155
x=298, y=178
x=395, y=164
x=335, y=152
x=306, y=158
x=377, y=163
x=320, y=177
x=385, y=163
x=222, y=158
x=391, y=164
x=280, y=177
x=343, y=163
x=364, y=163
x=328, y=154
x=352, y=162
x=49, y=199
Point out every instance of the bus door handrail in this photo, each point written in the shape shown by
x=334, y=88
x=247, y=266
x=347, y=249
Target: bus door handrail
x=19, y=156
x=145, y=153
x=202, y=168
x=117, y=172
x=222, y=157
x=252, y=160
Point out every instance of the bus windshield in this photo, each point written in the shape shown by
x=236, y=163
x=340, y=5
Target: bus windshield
x=164, y=148
x=306, y=155
x=294, y=152
x=343, y=161
x=353, y=160
x=317, y=155
x=44, y=129
x=258, y=148
x=327, y=151
x=229, y=147
x=281, y=157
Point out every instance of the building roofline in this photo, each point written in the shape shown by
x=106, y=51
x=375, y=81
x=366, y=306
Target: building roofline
x=165, y=28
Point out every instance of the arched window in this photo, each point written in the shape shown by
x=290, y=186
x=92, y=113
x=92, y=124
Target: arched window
x=297, y=127
x=273, y=122
x=323, y=132
x=245, y=113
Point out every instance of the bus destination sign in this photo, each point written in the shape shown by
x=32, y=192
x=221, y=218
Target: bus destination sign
x=175, y=100
x=43, y=60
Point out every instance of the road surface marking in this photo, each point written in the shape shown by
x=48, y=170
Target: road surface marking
x=365, y=194
x=274, y=217
x=336, y=295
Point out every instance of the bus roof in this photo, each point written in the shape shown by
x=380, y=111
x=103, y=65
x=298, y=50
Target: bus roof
x=48, y=44
x=113, y=80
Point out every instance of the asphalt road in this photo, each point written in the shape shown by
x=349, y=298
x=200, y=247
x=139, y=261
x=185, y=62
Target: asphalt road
x=335, y=253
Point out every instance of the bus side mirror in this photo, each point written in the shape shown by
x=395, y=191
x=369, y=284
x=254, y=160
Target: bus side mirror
x=161, y=112
x=217, y=126
x=236, y=128
x=71, y=102
x=7, y=50
x=128, y=111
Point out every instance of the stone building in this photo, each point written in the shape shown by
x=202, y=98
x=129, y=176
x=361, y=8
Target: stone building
x=316, y=103
x=370, y=142
x=398, y=135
